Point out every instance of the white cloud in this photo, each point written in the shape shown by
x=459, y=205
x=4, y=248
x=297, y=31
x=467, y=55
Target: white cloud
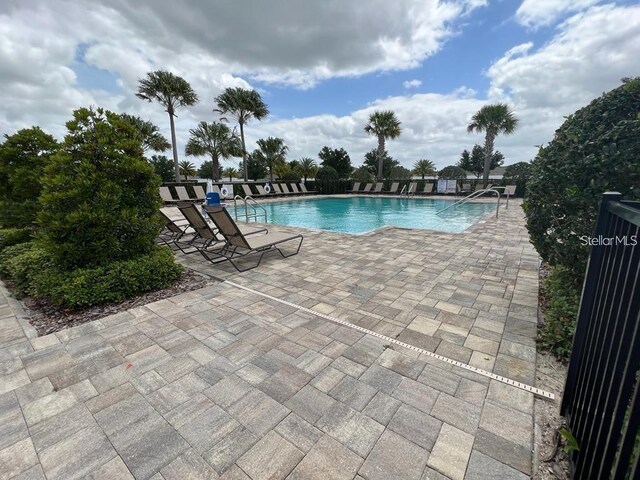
x=415, y=83
x=539, y=13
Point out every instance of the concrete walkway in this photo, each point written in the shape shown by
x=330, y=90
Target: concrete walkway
x=223, y=383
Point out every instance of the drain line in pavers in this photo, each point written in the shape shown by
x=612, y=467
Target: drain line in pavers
x=523, y=386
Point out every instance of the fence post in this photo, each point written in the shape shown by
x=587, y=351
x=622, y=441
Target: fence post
x=586, y=300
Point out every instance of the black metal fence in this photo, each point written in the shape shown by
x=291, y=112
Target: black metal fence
x=601, y=401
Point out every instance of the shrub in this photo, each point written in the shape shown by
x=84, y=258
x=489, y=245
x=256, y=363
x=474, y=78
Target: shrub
x=452, y=173
x=100, y=197
x=13, y=236
x=291, y=176
x=363, y=175
x=21, y=264
x=23, y=157
x=561, y=310
x=327, y=173
x=517, y=174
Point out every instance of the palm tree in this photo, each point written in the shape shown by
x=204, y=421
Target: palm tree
x=307, y=167
x=492, y=119
x=242, y=104
x=424, y=167
x=383, y=124
x=148, y=133
x=171, y=91
x=230, y=172
x=213, y=139
x=187, y=169
x=272, y=151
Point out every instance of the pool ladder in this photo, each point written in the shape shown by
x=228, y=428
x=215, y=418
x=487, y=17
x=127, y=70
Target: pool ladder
x=473, y=196
x=257, y=210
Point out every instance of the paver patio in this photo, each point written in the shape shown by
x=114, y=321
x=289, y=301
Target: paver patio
x=224, y=383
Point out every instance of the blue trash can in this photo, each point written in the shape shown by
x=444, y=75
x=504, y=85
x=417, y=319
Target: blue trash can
x=213, y=198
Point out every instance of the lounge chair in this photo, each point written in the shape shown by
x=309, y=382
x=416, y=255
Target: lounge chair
x=466, y=188
x=166, y=196
x=412, y=188
x=238, y=245
x=378, y=187
x=285, y=189
x=428, y=189
x=199, y=191
x=261, y=191
x=510, y=190
x=294, y=189
x=356, y=188
x=183, y=196
x=303, y=189
x=177, y=231
x=480, y=187
x=367, y=188
x=276, y=189
x=247, y=190
x=394, y=188
x=204, y=238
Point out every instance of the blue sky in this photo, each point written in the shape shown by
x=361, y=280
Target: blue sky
x=324, y=67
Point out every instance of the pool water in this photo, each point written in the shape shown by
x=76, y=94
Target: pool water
x=363, y=214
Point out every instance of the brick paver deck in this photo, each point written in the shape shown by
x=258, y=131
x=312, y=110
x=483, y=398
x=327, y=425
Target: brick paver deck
x=223, y=383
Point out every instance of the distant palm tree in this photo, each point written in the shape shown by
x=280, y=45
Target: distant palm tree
x=213, y=139
x=187, y=169
x=242, y=104
x=171, y=91
x=424, y=167
x=272, y=152
x=492, y=119
x=307, y=167
x=148, y=133
x=230, y=172
x=383, y=124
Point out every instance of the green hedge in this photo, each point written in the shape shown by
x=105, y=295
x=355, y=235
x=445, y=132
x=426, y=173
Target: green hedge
x=32, y=272
x=13, y=236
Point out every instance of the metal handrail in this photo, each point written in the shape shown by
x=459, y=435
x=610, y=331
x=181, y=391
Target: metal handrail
x=253, y=207
x=473, y=196
x=402, y=191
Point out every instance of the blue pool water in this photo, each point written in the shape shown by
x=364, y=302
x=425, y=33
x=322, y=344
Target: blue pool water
x=364, y=214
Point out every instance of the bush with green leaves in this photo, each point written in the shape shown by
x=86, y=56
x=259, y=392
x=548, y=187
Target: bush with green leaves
x=13, y=236
x=21, y=263
x=100, y=197
x=517, y=174
x=594, y=151
x=452, y=172
x=327, y=173
x=363, y=175
x=291, y=176
x=23, y=157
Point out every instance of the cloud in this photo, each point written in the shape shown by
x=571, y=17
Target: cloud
x=415, y=83
x=539, y=13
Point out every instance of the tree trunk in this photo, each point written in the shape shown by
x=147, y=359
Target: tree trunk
x=423, y=176
x=215, y=166
x=244, y=153
x=380, y=154
x=488, y=153
x=174, y=145
x=270, y=174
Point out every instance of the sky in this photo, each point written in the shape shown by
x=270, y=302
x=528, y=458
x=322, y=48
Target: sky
x=323, y=67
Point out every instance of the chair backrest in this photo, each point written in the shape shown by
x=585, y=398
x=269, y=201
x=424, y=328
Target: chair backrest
x=261, y=190
x=247, y=190
x=367, y=187
x=199, y=191
x=294, y=188
x=227, y=226
x=412, y=187
x=216, y=189
x=197, y=222
x=276, y=188
x=510, y=190
x=489, y=185
x=479, y=187
x=284, y=187
x=428, y=187
x=165, y=194
x=303, y=188
x=169, y=222
x=466, y=186
x=356, y=186
x=182, y=193
x=394, y=187
x=378, y=187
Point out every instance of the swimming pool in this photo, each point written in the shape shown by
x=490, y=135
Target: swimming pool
x=363, y=214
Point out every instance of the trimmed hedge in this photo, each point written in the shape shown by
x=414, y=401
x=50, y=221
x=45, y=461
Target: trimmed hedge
x=13, y=236
x=32, y=272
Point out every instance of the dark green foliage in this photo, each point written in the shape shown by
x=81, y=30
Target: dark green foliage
x=13, y=236
x=517, y=174
x=452, y=172
x=31, y=272
x=363, y=175
x=291, y=176
x=371, y=162
x=100, y=197
x=23, y=157
x=256, y=168
x=163, y=167
x=327, y=173
x=594, y=151
x=562, y=290
x=206, y=170
x=337, y=158
x=399, y=173
x=474, y=162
